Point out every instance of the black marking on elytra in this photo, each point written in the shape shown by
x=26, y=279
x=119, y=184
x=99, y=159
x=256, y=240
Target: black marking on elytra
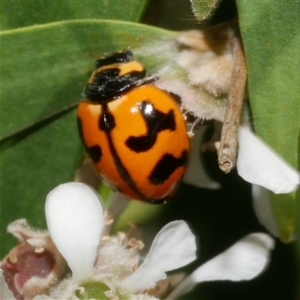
x=95, y=153
x=117, y=161
x=107, y=85
x=106, y=120
x=166, y=166
x=114, y=58
x=156, y=121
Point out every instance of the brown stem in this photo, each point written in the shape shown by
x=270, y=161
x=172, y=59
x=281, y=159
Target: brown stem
x=229, y=137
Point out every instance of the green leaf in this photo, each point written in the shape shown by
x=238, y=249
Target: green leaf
x=16, y=14
x=271, y=36
x=202, y=9
x=43, y=70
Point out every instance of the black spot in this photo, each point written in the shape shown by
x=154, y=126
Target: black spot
x=166, y=166
x=114, y=58
x=95, y=153
x=156, y=121
x=106, y=120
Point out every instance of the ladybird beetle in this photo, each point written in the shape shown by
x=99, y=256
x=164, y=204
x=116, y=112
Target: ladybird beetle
x=133, y=131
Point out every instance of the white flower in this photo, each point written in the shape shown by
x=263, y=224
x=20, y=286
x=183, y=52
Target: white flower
x=243, y=261
x=75, y=222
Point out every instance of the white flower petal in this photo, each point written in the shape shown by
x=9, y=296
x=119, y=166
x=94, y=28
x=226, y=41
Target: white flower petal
x=242, y=261
x=196, y=174
x=5, y=292
x=173, y=247
x=258, y=164
x=75, y=220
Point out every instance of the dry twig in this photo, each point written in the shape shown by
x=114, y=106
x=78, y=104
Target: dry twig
x=229, y=138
